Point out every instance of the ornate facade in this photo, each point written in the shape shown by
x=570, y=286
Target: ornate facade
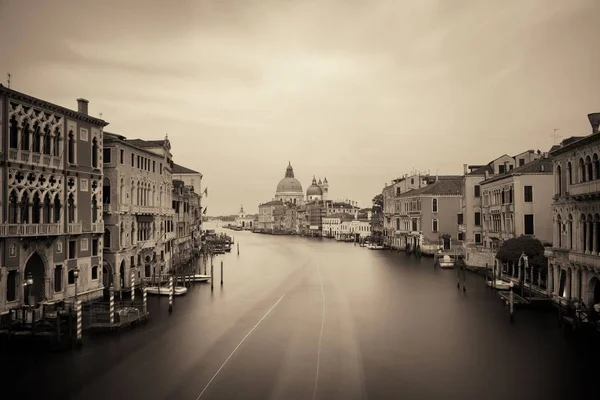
x=574, y=268
x=187, y=222
x=138, y=211
x=51, y=190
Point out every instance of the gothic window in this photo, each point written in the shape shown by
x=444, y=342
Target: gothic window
x=570, y=173
x=25, y=208
x=434, y=205
x=14, y=134
x=95, y=153
x=71, y=208
x=25, y=144
x=106, y=238
x=106, y=191
x=94, y=272
x=57, y=140
x=13, y=208
x=94, y=209
x=47, y=141
x=57, y=207
x=35, y=209
x=37, y=139
x=71, y=148
x=558, y=183
x=47, y=210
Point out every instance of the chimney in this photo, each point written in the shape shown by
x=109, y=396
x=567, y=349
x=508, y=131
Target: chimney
x=465, y=168
x=595, y=122
x=487, y=174
x=82, y=106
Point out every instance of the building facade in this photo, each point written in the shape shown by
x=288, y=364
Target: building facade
x=427, y=216
x=138, y=210
x=189, y=177
x=574, y=265
x=51, y=190
x=188, y=224
x=245, y=221
x=517, y=203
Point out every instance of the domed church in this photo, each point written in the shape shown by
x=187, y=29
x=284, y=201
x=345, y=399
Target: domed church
x=289, y=189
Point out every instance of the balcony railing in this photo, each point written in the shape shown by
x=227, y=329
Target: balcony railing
x=17, y=230
x=26, y=157
x=98, y=227
x=107, y=208
x=585, y=259
x=592, y=187
x=75, y=228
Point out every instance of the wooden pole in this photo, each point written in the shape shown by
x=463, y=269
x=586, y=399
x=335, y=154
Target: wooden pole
x=221, y=273
x=512, y=303
x=486, y=275
x=212, y=270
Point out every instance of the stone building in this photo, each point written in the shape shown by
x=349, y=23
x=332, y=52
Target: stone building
x=245, y=221
x=51, y=190
x=187, y=222
x=138, y=211
x=189, y=177
x=427, y=216
x=574, y=267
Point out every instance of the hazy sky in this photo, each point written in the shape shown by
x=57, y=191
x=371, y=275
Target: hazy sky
x=358, y=91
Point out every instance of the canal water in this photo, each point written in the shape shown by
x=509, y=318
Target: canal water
x=307, y=318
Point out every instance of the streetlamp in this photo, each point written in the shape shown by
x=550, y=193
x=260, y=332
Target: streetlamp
x=28, y=284
x=76, y=276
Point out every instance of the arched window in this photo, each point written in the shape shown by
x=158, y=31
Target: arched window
x=558, y=182
x=47, y=209
x=94, y=272
x=589, y=169
x=434, y=225
x=14, y=134
x=37, y=138
x=25, y=143
x=596, y=163
x=570, y=231
x=95, y=153
x=56, y=210
x=559, y=230
x=47, y=141
x=57, y=140
x=13, y=208
x=106, y=238
x=122, y=191
x=25, y=199
x=94, y=209
x=434, y=205
x=71, y=148
x=36, y=209
x=570, y=173
x=71, y=209
x=106, y=190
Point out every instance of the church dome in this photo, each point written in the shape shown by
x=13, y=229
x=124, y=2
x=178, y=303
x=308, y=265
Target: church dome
x=314, y=189
x=289, y=184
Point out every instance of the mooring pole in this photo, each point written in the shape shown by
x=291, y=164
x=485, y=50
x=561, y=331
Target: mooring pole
x=212, y=275
x=171, y=288
x=512, y=300
x=221, y=273
x=238, y=248
x=486, y=275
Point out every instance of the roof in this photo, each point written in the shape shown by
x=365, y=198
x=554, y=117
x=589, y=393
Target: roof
x=180, y=169
x=34, y=101
x=272, y=203
x=146, y=143
x=574, y=142
x=340, y=215
x=337, y=204
x=111, y=137
x=448, y=185
x=539, y=166
x=481, y=170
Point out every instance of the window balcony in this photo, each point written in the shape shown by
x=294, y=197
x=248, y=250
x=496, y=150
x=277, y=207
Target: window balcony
x=585, y=188
x=107, y=208
x=39, y=159
x=97, y=227
x=19, y=230
x=75, y=228
x=589, y=260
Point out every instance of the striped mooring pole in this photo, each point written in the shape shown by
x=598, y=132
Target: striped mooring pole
x=132, y=286
x=145, y=299
x=171, y=288
x=78, y=312
x=111, y=305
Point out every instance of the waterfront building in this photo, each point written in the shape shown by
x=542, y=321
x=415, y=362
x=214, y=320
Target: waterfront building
x=267, y=213
x=51, y=189
x=336, y=207
x=427, y=215
x=244, y=221
x=393, y=234
x=138, y=209
x=189, y=177
x=574, y=262
x=517, y=203
x=470, y=221
x=188, y=224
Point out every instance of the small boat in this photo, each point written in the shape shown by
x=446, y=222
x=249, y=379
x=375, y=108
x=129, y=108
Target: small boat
x=499, y=284
x=227, y=246
x=446, y=261
x=200, y=278
x=375, y=247
x=164, y=290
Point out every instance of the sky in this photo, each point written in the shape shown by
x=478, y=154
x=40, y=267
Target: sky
x=360, y=92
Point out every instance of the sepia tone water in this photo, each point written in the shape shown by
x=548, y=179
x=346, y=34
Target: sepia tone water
x=327, y=320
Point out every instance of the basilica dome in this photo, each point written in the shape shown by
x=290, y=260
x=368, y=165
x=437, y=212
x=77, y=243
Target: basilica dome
x=314, y=189
x=289, y=184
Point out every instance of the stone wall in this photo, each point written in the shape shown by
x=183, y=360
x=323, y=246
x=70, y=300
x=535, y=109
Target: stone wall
x=477, y=257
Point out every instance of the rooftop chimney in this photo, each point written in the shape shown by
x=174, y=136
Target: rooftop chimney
x=487, y=174
x=465, y=168
x=82, y=106
x=594, y=121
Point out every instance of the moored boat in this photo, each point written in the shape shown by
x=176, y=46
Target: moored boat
x=164, y=290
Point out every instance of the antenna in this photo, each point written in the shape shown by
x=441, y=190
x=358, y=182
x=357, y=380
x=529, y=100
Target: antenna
x=554, y=135
x=9, y=80
x=100, y=115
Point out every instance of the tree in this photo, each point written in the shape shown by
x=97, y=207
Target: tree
x=377, y=206
x=512, y=249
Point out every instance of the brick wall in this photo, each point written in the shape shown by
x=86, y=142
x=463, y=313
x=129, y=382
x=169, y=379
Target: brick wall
x=477, y=256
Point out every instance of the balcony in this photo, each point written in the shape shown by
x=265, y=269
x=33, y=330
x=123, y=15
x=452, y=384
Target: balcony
x=508, y=208
x=107, y=208
x=584, y=259
x=97, y=227
x=19, y=230
x=585, y=188
x=26, y=157
x=75, y=229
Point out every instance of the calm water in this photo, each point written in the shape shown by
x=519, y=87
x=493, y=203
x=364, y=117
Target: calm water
x=299, y=318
